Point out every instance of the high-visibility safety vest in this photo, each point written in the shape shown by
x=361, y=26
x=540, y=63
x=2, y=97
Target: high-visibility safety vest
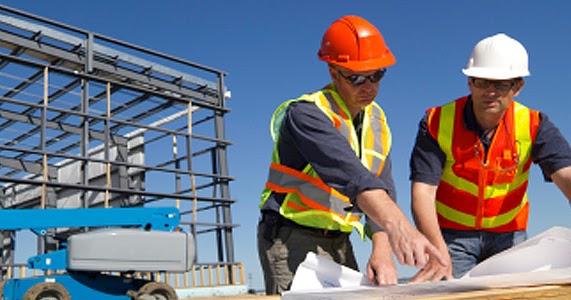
x=480, y=191
x=309, y=201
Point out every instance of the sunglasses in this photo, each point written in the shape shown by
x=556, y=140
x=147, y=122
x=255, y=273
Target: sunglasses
x=499, y=85
x=357, y=80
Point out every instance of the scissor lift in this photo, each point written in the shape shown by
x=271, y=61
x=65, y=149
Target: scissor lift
x=99, y=264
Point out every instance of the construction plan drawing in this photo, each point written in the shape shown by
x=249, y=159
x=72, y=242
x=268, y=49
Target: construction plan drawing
x=543, y=259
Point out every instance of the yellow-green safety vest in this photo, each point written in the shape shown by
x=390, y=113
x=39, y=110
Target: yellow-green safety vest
x=309, y=201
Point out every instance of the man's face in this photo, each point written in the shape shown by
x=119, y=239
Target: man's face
x=355, y=90
x=493, y=97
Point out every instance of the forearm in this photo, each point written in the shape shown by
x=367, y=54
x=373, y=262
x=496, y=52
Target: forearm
x=425, y=217
x=378, y=206
x=562, y=179
x=408, y=244
x=424, y=212
x=381, y=244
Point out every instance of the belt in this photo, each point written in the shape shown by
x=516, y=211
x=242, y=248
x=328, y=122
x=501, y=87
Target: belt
x=275, y=220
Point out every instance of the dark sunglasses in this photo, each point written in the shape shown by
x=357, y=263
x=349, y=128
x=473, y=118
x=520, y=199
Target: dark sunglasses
x=499, y=85
x=357, y=80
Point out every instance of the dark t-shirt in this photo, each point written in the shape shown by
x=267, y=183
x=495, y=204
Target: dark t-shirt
x=550, y=150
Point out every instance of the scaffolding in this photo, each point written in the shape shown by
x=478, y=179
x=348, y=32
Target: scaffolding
x=90, y=121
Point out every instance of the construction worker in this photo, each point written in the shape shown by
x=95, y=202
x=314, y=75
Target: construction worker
x=471, y=161
x=330, y=163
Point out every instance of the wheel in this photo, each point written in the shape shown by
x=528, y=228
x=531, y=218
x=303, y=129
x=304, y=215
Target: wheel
x=47, y=291
x=158, y=290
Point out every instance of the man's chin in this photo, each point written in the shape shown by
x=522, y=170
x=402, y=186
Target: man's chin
x=366, y=102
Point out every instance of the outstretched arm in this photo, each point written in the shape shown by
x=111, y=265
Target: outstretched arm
x=424, y=214
x=409, y=245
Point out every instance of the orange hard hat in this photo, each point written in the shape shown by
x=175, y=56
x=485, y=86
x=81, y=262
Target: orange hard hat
x=355, y=44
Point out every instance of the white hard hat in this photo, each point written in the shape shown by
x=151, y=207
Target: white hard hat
x=498, y=57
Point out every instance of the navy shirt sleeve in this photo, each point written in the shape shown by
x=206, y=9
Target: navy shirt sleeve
x=551, y=150
x=308, y=136
x=427, y=159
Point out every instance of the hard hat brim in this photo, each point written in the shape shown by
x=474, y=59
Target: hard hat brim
x=368, y=65
x=488, y=73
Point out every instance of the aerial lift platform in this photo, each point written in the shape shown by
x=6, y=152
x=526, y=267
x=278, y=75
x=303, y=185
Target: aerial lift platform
x=99, y=264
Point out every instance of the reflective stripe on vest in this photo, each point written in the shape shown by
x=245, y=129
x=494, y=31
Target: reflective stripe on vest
x=309, y=201
x=479, y=191
x=323, y=198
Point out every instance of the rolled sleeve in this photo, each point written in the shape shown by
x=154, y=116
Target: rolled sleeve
x=427, y=159
x=550, y=150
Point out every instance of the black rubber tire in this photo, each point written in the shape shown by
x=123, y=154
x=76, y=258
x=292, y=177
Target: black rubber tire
x=47, y=291
x=159, y=290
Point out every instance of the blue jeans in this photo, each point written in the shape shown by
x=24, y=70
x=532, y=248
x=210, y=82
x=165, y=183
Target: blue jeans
x=468, y=248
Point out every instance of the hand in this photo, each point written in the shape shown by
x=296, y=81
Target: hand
x=412, y=248
x=381, y=269
x=434, y=271
x=409, y=245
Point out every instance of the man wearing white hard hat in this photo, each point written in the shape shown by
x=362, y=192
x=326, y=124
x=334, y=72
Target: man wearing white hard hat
x=471, y=161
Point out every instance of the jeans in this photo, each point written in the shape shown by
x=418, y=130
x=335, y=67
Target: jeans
x=468, y=248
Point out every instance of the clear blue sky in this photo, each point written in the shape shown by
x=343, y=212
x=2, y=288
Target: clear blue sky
x=269, y=49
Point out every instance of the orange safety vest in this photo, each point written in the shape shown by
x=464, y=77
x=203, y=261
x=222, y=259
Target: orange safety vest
x=309, y=201
x=480, y=191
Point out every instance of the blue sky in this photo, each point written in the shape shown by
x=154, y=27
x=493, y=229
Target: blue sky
x=269, y=50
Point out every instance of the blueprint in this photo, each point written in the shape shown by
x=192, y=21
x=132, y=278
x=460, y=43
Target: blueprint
x=543, y=259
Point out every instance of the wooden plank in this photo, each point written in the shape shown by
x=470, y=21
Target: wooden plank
x=543, y=292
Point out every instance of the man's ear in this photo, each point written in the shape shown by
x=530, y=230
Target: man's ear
x=332, y=72
x=518, y=87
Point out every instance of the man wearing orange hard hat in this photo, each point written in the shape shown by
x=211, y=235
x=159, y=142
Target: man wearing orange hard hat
x=331, y=163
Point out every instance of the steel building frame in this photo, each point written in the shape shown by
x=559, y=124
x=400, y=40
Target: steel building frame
x=90, y=121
